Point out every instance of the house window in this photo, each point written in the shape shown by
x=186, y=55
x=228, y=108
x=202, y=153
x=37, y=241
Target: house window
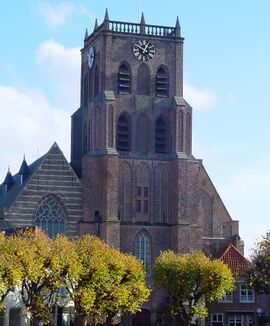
x=15, y=316
x=216, y=319
x=227, y=297
x=50, y=217
x=143, y=250
x=246, y=294
x=123, y=133
x=124, y=79
x=235, y=320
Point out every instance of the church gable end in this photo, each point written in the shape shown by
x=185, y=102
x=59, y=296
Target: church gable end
x=53, y=179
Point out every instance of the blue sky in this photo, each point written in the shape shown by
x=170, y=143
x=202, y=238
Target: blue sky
x=226, y=73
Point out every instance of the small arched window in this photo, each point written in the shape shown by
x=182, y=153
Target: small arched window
x=143, y=80
x=123, y=133
x=85, y=91
x=162, y=83
x=143, y=250
x=161, y=136
x=50, y=217
x=124, y=79
x=96, y=81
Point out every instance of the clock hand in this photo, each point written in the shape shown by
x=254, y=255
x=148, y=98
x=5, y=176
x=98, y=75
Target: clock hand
x=140, y=47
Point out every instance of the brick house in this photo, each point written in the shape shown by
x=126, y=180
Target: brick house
x=242, y=306
x=133, y=179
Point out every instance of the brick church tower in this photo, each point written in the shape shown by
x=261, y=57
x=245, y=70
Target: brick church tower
x=143, y=190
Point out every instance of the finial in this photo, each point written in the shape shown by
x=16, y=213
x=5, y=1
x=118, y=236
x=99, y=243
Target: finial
x=86, y=34
x=142, y=24
x=96, y=24
x=142, y=19
x=106, y=15
x=106, y=20
x=177, y=28
x=9, y=181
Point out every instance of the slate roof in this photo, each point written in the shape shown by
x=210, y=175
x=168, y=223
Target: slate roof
x=7, y=198
x=232, y=257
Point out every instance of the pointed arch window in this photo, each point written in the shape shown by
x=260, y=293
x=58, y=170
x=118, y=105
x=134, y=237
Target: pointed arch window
x=162, y=83
x=143, y=250
x=96, y=81
x=124, y=79
x=143, y=80
x=85, y=91
x=84, y=138
x=50, y=217
x=161, y=136
x=123, y=133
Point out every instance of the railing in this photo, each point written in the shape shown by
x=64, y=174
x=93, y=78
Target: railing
x=156, y=30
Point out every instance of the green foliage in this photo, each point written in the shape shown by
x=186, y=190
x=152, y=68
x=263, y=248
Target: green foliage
x=259, y=270
x=191, y=280
x=109, y=282
x=10, y=275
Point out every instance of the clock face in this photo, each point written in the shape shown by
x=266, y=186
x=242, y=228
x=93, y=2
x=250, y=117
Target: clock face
x=143, y=50
x=90, y=56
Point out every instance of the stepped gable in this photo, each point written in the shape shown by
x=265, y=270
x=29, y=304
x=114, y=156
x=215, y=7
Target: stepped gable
x=232, y=257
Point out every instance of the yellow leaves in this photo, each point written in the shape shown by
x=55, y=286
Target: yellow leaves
x=191, y=278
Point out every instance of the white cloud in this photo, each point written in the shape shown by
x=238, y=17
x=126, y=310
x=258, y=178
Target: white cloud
x=62, y=66
x=57, y=15
x=29, y=123
x=199, y=98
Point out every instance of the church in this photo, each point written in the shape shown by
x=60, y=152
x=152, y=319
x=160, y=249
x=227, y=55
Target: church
x=132, y=179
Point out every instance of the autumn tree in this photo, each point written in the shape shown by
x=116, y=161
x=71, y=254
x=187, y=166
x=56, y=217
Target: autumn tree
x=259, y=269
x=190, y=281
x=10, y=275
x=109, y=282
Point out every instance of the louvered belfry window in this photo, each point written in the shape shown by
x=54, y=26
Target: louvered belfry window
x=160, y=136
x=124, y=79
x=162, y=83
x=123, y=133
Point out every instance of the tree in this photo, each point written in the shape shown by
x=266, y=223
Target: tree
x=109, y=282
x=10, y=275
x=191, y=280
x=32, y=255
x=259, y=269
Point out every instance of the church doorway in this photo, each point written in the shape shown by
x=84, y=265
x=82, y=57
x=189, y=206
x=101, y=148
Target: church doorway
x=142, y=318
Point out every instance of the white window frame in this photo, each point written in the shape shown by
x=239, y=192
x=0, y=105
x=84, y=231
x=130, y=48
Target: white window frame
x=246, y=294
x=227, y=298
x=235, y=319
x=216, y=318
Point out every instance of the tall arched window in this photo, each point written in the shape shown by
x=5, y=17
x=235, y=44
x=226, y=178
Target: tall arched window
x=50, y=217
x=84, y=138
x=85, y=91
x=123, y=133
x=143, y=80
x=161, y=136
x=143, y=250
x=90, y=85
x=188, y=133
x=96, y=81
x=162, y=83
x=124, y=79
